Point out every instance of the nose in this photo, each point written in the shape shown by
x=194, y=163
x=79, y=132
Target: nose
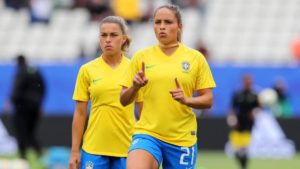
x=108, y=39
x=162, y=26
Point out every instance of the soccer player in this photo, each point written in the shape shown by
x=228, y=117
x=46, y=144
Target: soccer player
x=167, y=75
x=241, y=119
x=107, y=138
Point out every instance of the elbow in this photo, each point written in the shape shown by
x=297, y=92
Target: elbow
x=122, y=98
x=205, y=99
x=210, y=101
x=208, y=104
x=123, y=102
x=125, y=98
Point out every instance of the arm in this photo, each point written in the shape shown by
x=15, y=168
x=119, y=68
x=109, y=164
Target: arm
x=42, y=84
x=204, y=99
x=129, y=94
x=231, y=117
x=79, y=119
x=18, y=85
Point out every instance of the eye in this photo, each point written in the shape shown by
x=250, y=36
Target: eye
x=114, y=34
x=103, y=35
x=157, y=22
x=168, y=21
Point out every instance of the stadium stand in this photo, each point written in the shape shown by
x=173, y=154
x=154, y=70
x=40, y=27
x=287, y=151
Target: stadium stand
x=236, y=31
x=255, y=32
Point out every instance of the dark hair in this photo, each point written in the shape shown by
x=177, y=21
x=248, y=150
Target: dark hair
x=123, y=26
x=175, y=9
x=21, y=60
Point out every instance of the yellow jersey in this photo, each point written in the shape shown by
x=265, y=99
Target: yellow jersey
x=162, y=117
x=110, y=125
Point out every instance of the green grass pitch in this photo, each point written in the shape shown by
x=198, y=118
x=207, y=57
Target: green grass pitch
x=218, y=160
x=210, y=160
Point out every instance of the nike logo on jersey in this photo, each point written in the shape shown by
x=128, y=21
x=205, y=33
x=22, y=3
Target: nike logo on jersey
x=96, y=80
x=150, y=66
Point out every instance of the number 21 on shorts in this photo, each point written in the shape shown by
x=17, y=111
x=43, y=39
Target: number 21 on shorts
x=187, y=157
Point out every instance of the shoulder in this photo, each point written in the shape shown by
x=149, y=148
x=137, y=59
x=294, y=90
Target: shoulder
x=192, y=52
x=237, y=92
x=143, y=53
x=90, y=63
x=125, y=59
x=145, y=50
x=31, y=70
x=254, y=93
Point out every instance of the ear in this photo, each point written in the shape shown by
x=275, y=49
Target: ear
x=180, y=27
x=124, y=38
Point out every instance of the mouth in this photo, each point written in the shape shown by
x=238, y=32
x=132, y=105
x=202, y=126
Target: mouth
x=162, y=34
x=108, y=47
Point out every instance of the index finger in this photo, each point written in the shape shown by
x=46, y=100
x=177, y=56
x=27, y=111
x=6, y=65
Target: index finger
x=177, y=83
x=143, y=67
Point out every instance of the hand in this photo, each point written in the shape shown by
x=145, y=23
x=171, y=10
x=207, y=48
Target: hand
x=75, y=160
x=178, y=93
x=140, y=79
x=232, y=120
x=7, y=107
x=255, y=113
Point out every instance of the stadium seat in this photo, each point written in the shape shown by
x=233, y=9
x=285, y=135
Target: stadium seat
x=235, y=31
x=252, y=32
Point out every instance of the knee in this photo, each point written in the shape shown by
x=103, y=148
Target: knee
x=139, y=166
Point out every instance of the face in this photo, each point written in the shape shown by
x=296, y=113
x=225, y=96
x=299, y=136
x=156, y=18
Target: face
x=111, y=38
x=247, y=80
x=166, y=27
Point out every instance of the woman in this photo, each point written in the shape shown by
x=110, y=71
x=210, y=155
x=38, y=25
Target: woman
x=107, y=137
x=167, y=75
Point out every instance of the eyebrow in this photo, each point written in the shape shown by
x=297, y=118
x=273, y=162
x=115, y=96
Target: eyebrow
x=163, y=20
x=110, y=33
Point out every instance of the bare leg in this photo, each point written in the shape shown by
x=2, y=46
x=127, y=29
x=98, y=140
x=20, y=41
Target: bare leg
x=141, y=159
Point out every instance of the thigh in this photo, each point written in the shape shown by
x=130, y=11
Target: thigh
x=91, y=161
x=144, y=153
x=141, y=159
x=118, y=163
x=177, y=157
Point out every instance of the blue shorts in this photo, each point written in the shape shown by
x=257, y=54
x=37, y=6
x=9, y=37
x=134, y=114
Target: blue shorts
x=101, y=162
x=171, y=156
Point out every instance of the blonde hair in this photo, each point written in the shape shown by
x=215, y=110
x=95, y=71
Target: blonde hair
x=177, y=13
x=123, y=26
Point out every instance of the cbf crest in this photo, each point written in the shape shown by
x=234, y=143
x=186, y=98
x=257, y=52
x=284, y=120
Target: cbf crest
x=89, y=165
x=185, y=66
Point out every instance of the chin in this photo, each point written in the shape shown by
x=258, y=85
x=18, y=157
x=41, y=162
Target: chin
x=164, y=41
x=109, y=52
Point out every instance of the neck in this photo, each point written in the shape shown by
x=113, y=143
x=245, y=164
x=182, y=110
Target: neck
x=168, y=46
x=112, y=60
x=169, y=49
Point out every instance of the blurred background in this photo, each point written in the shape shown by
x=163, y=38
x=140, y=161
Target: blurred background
x=237, y=37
